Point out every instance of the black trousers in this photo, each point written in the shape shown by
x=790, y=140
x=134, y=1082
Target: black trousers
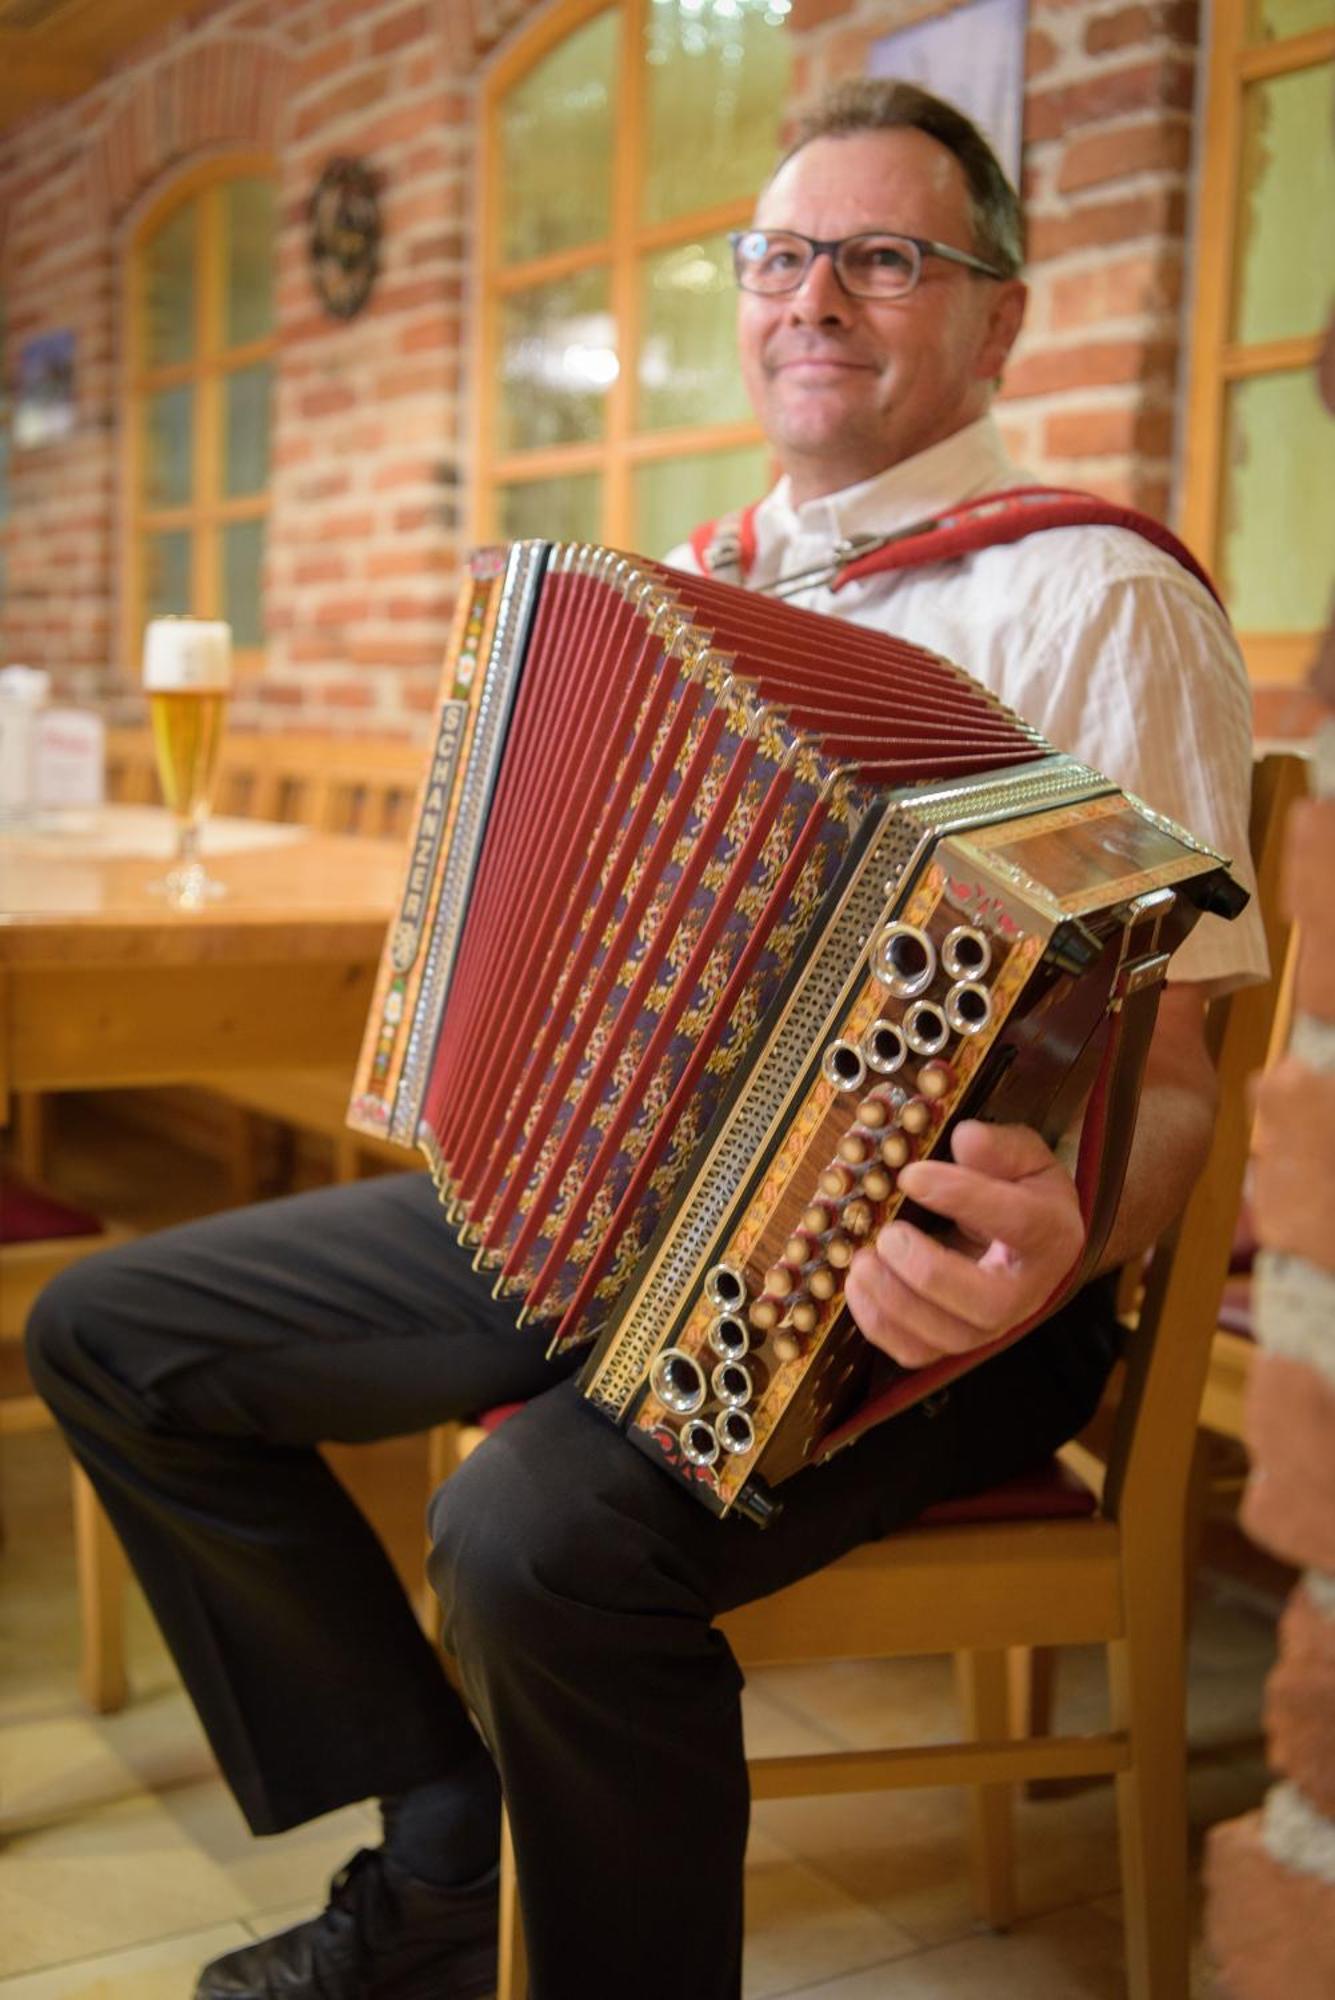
x=194, y=1374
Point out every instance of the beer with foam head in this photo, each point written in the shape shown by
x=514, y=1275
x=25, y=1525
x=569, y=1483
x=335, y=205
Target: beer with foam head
x=187, y=677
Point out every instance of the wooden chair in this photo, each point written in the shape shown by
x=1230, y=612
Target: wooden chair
x=987, y=1591
x=48, y=1237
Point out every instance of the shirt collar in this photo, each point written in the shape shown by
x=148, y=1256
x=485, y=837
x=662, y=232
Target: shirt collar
x=970, y=462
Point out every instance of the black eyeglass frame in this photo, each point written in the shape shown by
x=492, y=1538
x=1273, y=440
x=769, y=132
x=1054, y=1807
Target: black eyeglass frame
x=817, y=246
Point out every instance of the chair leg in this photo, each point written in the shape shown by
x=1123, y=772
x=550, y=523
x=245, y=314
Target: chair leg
x=512, y=1979
x=1147, y=1684
x=442, y=1457
x=982, y=1682
x=101, y=1574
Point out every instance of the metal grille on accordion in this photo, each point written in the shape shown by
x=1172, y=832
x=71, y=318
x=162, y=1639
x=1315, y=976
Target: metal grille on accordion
x=717, y=913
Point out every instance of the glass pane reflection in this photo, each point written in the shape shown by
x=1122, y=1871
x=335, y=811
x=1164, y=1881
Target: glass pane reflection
x=169, y=447
x=688, y=351
x=558, y=360
x=1275, y=20
x=168, y=278
x=243, y=581
x=674, y=496
x=551, y=510
x=167, y=574
x=1279, y=444
x=246, y=430
x=556, y=146
x=248, y=230
x=1286, y=275
x=717, y=79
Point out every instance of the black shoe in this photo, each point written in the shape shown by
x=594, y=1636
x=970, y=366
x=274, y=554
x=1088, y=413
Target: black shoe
x=383, y=1936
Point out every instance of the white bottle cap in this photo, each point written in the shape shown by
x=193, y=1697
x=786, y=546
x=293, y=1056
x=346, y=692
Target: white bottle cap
x=182, y=655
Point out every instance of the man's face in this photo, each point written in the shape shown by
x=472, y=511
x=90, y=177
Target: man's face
x=847, y=387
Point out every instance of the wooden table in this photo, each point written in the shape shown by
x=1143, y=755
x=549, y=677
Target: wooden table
x=104, y=984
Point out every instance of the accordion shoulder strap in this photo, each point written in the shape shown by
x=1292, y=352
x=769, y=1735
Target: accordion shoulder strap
x=726, y=547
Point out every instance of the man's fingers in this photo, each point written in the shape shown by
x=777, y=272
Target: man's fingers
x=1022, y=1214
x=973, y=1297
x=1005, y=1152
x=895, y=1318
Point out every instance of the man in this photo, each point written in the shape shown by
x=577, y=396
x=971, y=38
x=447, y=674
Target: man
x=194, y=1374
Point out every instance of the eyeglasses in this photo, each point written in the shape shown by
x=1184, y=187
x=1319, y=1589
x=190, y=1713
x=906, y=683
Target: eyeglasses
x=876, y=265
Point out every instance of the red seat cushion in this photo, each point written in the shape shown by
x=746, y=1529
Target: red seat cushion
x=29, y=1215
x=1049, y=1492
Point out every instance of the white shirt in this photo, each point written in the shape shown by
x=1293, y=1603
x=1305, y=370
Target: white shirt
x=1103, y=642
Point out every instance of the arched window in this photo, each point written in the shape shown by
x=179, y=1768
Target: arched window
x=1258, y=499
x=620, y=143
x=200, y=346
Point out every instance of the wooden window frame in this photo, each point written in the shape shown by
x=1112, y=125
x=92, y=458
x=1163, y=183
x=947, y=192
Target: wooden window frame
x=203, y=516
x=1217, y=361
x=622, y=449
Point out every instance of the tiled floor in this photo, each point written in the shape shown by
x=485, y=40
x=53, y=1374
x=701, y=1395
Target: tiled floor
x=127, y=1866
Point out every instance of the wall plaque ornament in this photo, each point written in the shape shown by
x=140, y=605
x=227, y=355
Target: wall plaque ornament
x=344, y=216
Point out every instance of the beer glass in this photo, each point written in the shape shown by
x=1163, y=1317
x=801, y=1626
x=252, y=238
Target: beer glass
x=187, y=677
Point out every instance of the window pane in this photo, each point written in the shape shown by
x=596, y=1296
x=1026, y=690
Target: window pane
x=1287, y=201
x=242, y=571
x=556, y=146
x=688, y=348
x=1275, y=562
x=245, y=419
x=558, y=360
x=248, y=233
x=551, y=510
x=675, y=495
x=1273, y=20
x=167, y=574
x=169, y=447
x=716, y=85
x=168, y=269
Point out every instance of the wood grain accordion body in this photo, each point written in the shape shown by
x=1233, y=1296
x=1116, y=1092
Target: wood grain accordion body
x=717, y=912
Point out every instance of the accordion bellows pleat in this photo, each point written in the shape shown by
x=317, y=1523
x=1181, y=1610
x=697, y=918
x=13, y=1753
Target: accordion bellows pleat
x=665, y=822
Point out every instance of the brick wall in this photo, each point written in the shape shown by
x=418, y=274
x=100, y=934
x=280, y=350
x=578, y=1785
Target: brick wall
x=370, y=421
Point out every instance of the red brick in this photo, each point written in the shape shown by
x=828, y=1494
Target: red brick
x=1300, y=1701
x=1121, y=288
x=1040, y=52
x=356, y=93
x=1168, y=81
x=1289, y=1504
x=1175, y=20
x=1093, y=225
x=408, y=562
x=1108, y=433
x=1270, y=1929
x=395, y=31
x=1091, y=364
x=341, y=610
x=327, y=400
x=1147, y=146
x=1293, y=1160
x=321, y=569
x=325, y=59
x=373, y=651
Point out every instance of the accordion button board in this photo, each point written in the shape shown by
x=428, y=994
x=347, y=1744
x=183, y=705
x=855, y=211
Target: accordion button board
x=717, y=914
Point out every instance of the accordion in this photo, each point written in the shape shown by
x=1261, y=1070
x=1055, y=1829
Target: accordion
x=718, y=912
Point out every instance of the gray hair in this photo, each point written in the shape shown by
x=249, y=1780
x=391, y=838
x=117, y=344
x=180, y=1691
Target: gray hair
x=884, y=104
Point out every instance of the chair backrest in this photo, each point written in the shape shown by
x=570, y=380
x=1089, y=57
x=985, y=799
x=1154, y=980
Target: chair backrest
x=332, y=784
x=1168, y=1351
